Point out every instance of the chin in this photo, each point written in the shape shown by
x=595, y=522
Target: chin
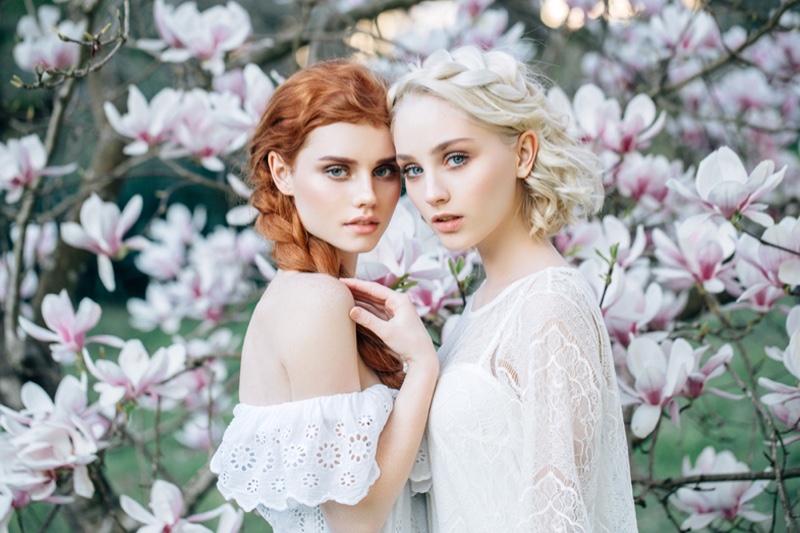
x=454, y=243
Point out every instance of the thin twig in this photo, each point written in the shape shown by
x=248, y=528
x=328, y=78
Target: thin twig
x=721, y=61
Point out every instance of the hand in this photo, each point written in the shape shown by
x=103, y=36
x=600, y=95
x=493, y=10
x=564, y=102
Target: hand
x=391, y=315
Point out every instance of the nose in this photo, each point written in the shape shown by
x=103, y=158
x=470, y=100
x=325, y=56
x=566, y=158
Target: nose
x=364, y=194
x=435, y=191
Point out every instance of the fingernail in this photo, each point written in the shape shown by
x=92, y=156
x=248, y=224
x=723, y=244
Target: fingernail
x=355, y=313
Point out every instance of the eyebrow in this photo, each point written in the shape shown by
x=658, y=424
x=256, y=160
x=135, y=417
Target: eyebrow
x=441, y=147
x=348, y=161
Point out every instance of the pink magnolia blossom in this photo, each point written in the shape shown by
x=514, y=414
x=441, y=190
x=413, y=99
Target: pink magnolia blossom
x=776, y=266
x=254, y=89
x=167, y=505
x=40, y=242
x=698, y=256
x=723, y=187
x=714, y=367
x=41, y=47
x=49, y=434
x=743, y=90
x=644, y=178
x=22, y=163
x=400, y=253
x=659, y=373
x=136, y=374
x=67, y=328
x=599, y=237
x=672, y=305
x=180, y=226
x=679, y=30
x=779, y=392
x=149, y=124
x=160, y=308
x=101, y=231
x=207, y=36
x=601, y=119
x=241, y=215
x=721, y=500
x=208, y=128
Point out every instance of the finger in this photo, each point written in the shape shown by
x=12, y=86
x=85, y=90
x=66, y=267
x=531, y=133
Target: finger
x=369, y=288
x=368, y=320
x=377, y=310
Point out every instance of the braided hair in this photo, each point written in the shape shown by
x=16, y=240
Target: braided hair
x=323, y=94
x=505, y=96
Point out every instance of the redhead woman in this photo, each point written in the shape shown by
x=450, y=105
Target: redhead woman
x=328, y=428
x=525, y=429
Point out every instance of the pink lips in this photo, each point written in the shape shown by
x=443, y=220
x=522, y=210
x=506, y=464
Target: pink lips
x=446, y=222
x=363, y=225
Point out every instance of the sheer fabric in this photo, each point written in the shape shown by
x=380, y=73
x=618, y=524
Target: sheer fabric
x=525, y=430
x=285, y=460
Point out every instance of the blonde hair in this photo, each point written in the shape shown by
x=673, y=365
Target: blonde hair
x=507, y=97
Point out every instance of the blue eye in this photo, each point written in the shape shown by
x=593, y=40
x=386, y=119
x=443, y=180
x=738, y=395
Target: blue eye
x=336, y=172
x=456, y=160
x=386, y=172
x=411, y=172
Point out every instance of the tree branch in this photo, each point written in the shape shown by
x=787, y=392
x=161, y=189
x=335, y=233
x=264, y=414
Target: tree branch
x=721, y=61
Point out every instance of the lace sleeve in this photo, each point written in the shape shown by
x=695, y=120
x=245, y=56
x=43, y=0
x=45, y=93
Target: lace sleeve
x=562, y=386
x=305, y=452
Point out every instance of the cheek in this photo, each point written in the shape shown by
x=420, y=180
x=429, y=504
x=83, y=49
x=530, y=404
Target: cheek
x=311, y=197
x=388, y=192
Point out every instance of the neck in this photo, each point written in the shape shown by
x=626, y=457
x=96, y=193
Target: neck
x=348, y=263
x=514, y=253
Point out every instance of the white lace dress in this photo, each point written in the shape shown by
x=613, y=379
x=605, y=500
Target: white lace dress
x=285, y=460
x=525, y=431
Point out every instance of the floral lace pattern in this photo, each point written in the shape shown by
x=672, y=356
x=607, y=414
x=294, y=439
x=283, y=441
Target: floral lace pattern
x=285, y=460
x=525, y=430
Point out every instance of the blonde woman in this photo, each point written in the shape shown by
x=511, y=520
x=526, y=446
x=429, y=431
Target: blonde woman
x=525, y=428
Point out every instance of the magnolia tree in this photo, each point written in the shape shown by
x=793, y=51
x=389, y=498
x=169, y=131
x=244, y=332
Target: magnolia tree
x=693, y=107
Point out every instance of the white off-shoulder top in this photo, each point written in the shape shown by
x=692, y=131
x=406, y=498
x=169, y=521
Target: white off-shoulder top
x=285, y=460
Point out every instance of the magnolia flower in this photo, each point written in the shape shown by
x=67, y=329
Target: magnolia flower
x=40, y=242
x=159, y=309
x=713, y=367
x=206, y=129
x=777, y=266
x=780, y=393
x=644, y=178
x=659, y=374
x=22, y=163
x=196, y=435
x=253, y=87
x=683, y=31
x=67, y=328
x=600, y=237
x=600, y=118
x=101, y=232
x=724, y=188
x=207, y=36
x=166, y=503
x=722, y=500
x=698, y=256
x=62, y=433
x=149, y=124
x=180, y=226
x=241, y=215
x=41, y=48
x=400, y=254
x=137, y=374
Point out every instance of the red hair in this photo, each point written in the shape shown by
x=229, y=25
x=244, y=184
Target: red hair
x=323, y=94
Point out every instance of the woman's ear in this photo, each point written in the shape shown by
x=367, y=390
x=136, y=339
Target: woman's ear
x=281, y=173
x=527, y=149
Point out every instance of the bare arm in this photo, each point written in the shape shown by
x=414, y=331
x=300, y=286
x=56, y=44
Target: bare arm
x=392, y=316
x=320, y=358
